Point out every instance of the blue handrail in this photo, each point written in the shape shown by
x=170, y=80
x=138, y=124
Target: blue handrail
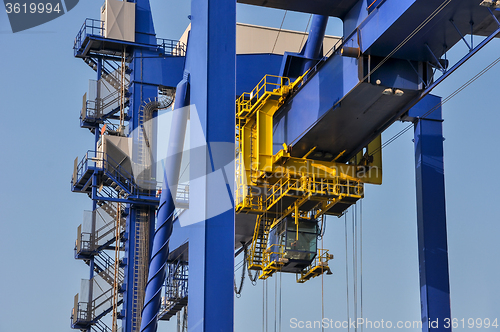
x=103, y=162
x=95, y=28
x=91, y=27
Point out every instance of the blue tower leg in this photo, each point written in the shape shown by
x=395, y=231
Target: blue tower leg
x=431, y=215
x=211, y=61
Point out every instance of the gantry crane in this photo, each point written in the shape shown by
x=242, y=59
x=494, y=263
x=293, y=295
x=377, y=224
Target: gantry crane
x=307, y=140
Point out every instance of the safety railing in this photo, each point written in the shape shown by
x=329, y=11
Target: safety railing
x=374, y=4
x=88, y=161
x=272, y=260
x=268, y=196
x=182, y=193
x=90, y=111
x=80, y=314
x=102, y=303
x=84, y=243
x=317, y=267
x=171, y=47
x=105, y=233
x=90, y=27
x=97, y=160
x=175, y=287
x=93, y=27
x=268, y=84
x=106, y=264
x=101, y=327
x=336, y=47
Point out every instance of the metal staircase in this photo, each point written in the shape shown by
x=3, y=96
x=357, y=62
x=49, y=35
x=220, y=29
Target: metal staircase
x=125, y=199
x=259, y=243
x=89, y=243
x=175, y=296
x=104, y=266
x=106, y=96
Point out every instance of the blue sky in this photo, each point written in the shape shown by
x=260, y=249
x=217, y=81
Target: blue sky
x=41, y=86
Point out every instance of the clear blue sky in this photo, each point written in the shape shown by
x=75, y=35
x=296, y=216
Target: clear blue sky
x=41, y=87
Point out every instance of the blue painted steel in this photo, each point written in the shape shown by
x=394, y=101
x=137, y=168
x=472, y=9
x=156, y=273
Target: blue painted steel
x=144, y=79
x=431, y=215
x=160, y=248
x=144, y=29
x=250, y=68
x=436, y=82
x=314, y=45
x=304, y=118
x=404, y=26
x=211, y=61
x=140, y=92
x=335, y=8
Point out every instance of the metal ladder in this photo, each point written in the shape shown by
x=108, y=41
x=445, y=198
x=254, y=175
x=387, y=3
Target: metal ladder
x=141, y=260
x=259, y=243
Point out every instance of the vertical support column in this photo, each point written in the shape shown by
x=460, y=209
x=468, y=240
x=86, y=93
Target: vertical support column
x=94, y=200
x=313, y=46
x=160, y=245
x=211, y=60
x=141, y=91
x=431, y=214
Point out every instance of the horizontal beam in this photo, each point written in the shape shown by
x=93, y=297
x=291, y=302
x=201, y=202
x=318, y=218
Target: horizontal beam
x=335, y=8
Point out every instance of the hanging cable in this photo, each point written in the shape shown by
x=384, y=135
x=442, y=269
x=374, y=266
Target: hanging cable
x=347, y=271
x=267, y=305
x=237, y=290
x=253, y=279
x=305, y=32
x=322, y=295
x=280, y=311
x=279, y=31
x=275, y=304
x=355, y=265
x=361, y=256
x=263, y=306
x=322, y=228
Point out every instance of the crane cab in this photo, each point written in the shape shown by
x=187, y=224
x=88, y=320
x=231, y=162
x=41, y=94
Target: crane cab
x=293, y=247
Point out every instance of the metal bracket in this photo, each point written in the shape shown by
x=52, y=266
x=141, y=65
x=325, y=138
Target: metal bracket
x=441, y=68
x=461, y=35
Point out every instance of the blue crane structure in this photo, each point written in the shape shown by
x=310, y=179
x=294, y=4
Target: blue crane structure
x=320, y=109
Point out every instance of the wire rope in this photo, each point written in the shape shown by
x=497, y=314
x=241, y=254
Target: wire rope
x=322, y=296
x=411, y=35
x=355, y=265
x=279, y=31
x=347, y=271
x=304, y=35
x=361, y=256
x=237, y=290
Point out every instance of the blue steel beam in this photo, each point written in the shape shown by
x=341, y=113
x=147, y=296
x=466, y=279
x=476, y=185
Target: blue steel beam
x=144, y=81
x=211, y=62
x=329, y=104
x=431, y=215
x=435, y=83
x=335, y=8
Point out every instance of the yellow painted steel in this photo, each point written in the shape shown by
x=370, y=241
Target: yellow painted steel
x=275, y=186
x=317, y=267
x=270, y=266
